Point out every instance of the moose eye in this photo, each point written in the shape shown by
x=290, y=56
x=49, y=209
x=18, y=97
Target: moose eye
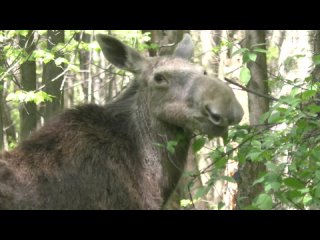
x=159, y=78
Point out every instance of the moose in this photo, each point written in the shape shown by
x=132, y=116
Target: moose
x=108, y=157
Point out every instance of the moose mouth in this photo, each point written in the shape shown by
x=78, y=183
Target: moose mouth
x=215, y=131
x=207, y=127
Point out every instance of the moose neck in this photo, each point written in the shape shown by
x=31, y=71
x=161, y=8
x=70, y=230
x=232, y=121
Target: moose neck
x=161, y=169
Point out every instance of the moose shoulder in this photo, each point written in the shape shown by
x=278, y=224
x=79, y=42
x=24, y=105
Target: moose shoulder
x=107, y=157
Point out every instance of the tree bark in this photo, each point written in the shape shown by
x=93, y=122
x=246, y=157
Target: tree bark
x=84, y=58
x=154, y=38
x=166, y=40
x=2, y=59
x=1, y=114
x=250, y=171
x=52, y=76
x=28, y=112
x=316, y=70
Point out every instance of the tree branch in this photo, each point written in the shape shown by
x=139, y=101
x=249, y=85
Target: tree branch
x=250, y=90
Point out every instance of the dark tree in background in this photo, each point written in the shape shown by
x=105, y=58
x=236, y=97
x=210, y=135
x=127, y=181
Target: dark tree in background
x=53, y=75
x=1, y=104
x=28, y=111
x=316, y=70
x=250, y=171
x=84, y=57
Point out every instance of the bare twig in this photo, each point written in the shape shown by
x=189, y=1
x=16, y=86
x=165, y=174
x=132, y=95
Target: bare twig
x=250, y=90
x=190, y=196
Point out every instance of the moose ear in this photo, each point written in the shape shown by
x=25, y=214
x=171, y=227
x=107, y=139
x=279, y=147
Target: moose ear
x=119, y=54
x=184, y=48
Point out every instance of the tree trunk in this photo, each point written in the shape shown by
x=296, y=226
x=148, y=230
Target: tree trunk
x=2, y=60
x=165, y=39
x=53, y=76
x=1, y=114
x=257, y=106
x=154, y=38
x=28, y=117
x=84, y=57
x=207, y=57
x=316, y=70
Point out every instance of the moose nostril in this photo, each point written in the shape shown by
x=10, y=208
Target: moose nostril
x=216, y=118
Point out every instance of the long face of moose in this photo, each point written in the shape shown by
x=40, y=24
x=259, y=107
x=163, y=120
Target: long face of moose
x=178, y=92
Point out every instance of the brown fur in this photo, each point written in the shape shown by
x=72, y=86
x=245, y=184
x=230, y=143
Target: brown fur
x=107, y=157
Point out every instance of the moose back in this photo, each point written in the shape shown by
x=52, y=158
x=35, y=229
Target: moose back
x=108, y=157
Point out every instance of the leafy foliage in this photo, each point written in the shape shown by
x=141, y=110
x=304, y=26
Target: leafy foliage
x=289, y=147
x=287, y=141
x=21, y=96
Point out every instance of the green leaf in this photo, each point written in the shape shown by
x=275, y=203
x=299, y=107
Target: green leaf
x=271, y=166
x=308, y=94
x=314, y=108
x=225, y=138
x=41, y=96
x=18, y=96
x=250, y=207
x=74, y=68
x=291, y=100
x=317, y=174
x=294, y=91
x=293, y=183
x=272, y=186
x=304, y=190
x=23, y=32
x=295, y=195
x=252, y=56
x=201, y=192
x=316, y=59
x=185, y=202
x=48, y=57
x=274, y=117
x=317, y=191
x=249, y=56
x=245, y=76
x=221, y=163
x=171, y=145
x=307, y=199
x=253, y=156
x=263, y=117
x=226, y=43
x=239, y=51
x=273, y=53
x=58, y=61
x=228, y=179
x=42, y=32
x=264, y=202
x=259, y=180
x=220, y=205
x=31, y=96
x=216, y=49
x=315, y=154
x=198, y=144
x=256, y=144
